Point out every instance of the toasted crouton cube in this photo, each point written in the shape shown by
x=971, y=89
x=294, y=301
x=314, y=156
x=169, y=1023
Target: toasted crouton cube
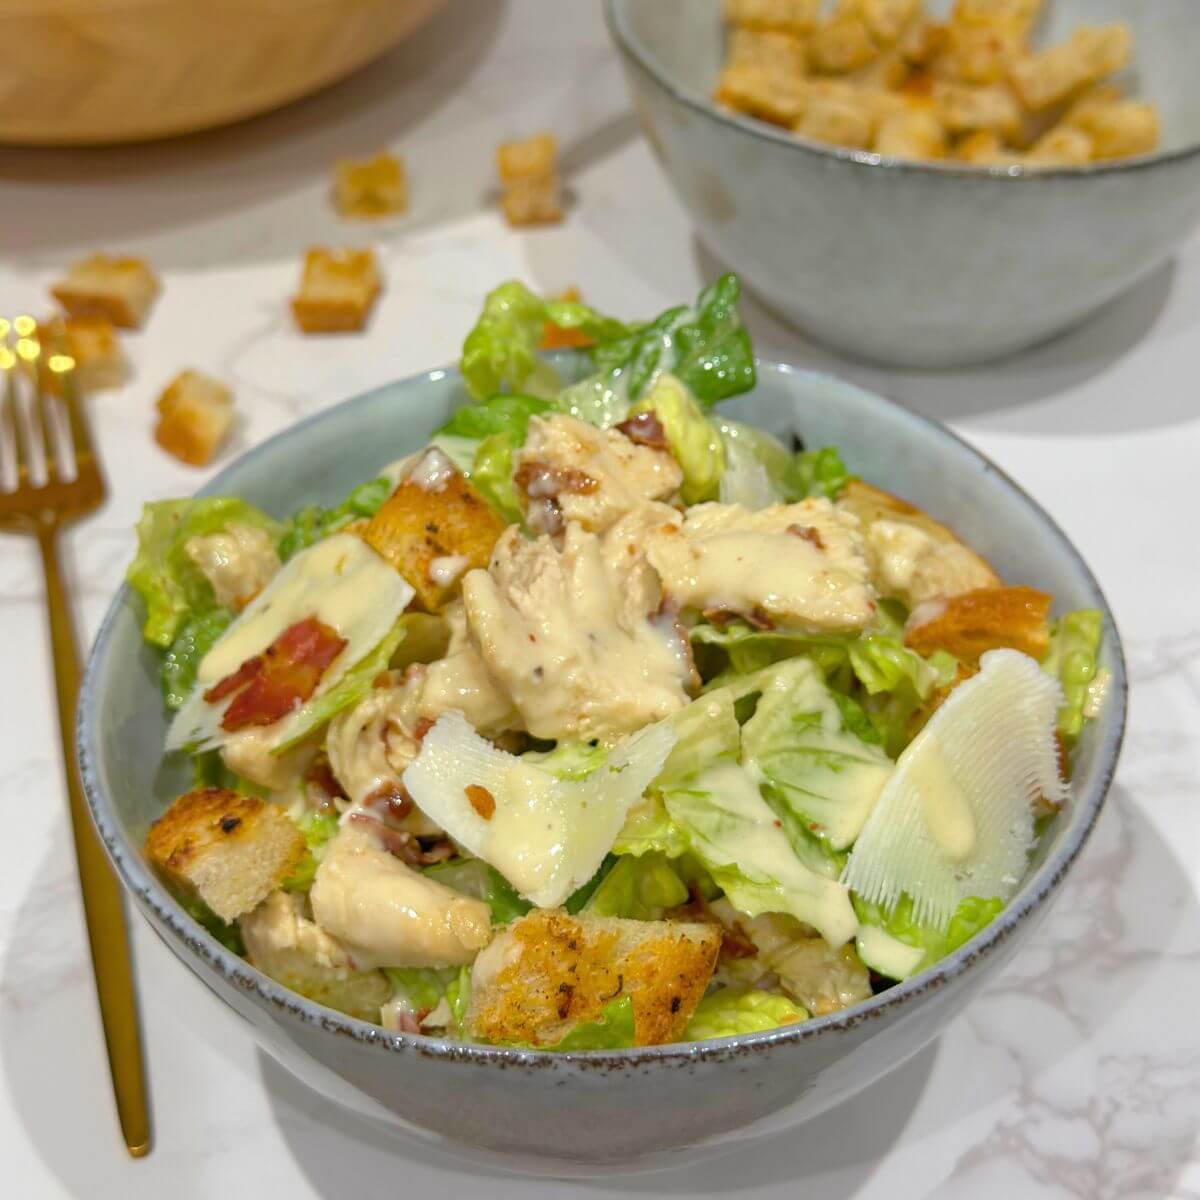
x=840, y=45
x=979, y=54
x=789, y=16
x=529, y=158
x=370, y=188
x=92, y=342
x=1020, y=14
x=1052, y=75
x=970, y=624
x=1120, y=129
x=885, y=20
x=775, y=98
x=533, y=202
x=547, y=972
x=921, y=42
x=230, y=850
x=776, y=54
x=1062, y=146
x=433, y=529
x=195, y=414
x=337, y=290
x=916, y=133
x=840, y=120
x=528, y=172
x=985, y=149
x=965, y=109
x=121, y=289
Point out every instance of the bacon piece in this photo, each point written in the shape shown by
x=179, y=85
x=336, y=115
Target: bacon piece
x=322, y=785
x=537, y=480
x=390, y=800
x=270, y=685
x=756, y=618
x=645, y=429
x=809, y=533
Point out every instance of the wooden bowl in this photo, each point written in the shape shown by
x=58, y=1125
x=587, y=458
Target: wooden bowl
x=92, y=72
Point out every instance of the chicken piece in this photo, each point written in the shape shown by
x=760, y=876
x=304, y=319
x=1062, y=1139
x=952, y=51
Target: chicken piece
x=283, y=942
x=370, y=188
x=571, y=471
x=970, y=624
x=790, y=16
x=575, y=640
x=795, y=565
x=337, y=290
x=239, y=562
x=547, y=972
x=434, y=528
x=195, y=415
x=1052, y=75
x=121, y=289
x=386, y=914
x=248, y=753
x=913, y=557
x=230, y=850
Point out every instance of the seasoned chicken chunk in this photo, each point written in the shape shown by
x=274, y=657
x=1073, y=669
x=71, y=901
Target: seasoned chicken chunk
x=239, y=562
x=576, y=642
x=283, y=942
x=797, y=565
x=387, y=914
x=571, y=471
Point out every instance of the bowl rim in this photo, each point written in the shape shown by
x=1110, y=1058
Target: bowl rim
x=189, y=940
x=637, y=54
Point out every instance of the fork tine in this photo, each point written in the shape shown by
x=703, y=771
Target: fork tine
x=77, y=423
x=12, y=418
x=46, y=418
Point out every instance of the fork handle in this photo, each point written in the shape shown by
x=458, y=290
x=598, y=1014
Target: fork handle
x=102, y=903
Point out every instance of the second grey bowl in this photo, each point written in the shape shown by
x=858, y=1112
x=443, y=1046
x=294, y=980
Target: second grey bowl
x=918, y=264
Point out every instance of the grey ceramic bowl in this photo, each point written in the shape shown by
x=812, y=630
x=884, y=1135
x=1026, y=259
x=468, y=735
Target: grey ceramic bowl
x=600, y=1110
x=918, y=264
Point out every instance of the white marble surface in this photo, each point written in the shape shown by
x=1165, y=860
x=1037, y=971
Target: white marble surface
x=1076, y=1075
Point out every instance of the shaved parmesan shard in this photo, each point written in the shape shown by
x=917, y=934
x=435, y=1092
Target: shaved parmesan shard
x=342, y=584
x=956, y=817
x=547, y=836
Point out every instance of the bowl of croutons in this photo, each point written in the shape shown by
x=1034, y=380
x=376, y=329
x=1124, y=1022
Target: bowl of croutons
x=96, y=72
x=925, y=184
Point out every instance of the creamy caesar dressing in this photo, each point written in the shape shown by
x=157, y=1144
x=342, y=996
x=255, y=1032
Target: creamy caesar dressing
x=238, y=562
x=432, y=471
x=446, y=570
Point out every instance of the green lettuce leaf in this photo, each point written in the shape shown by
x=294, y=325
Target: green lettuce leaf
x=492, y=475
x=706, y=730
x=1072, y=659
x=579, y=899
x=421, y=989
x=638, y=888
x=230, y=936
x=319, y=829
x=570, y=760
x=694, y=441
x=458, y=996
x=170, y=585
x=500, y=414
x=312, y=523
x=613, y=1030
x=758, y=469
x=473, y=877
x=730, y=1011
x=649, y=829
x=817, y=473
x=972, y=915
x=182, y=658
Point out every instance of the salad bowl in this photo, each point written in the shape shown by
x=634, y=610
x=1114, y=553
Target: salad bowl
x=599, y=1110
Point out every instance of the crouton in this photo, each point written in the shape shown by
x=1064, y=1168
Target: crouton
x=195, y=416
x=913, y=557
x=790, y=16
x=1062, y=146
x=1053, y=75
x=972, y=623
x=885, y=20
x=337, y=290
x=780, y=55
x=840, y=45
x=121, y=289
x=528, y=172
x=778, y=99
x=1119, y=129
x=985, y=149
x=548, y=971
x=369, y=188
x=913, y=134
x=839, y=120
x=230, y=850
x=91, y=340
x=433, y=529
x=964, y=109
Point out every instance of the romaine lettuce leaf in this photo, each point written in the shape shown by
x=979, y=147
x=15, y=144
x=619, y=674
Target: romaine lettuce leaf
x=312, y=523
x=614, y=1030
x=230, y=936
x=182, y=659
x=421, y=989
x=500, y=414
x=817, y=473
x=972, y=915
x=570, y=760
x=473, y=877
x=319, y=829
x=170, y=585
x=705, y=731
x=649, y=829
x=638, y=888
x=730, y=1011
x=491, y=474
x=1072, y=660
x=694, y=440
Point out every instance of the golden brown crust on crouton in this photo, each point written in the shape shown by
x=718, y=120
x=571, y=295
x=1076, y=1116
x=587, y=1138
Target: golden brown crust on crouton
x=231, y=850
x=528, y=171
x=121, y=289
x=970, y=624
x=434, y=536
x=549, y=971
x=337, y=290
x=366, y=189
x=92, y=341
x=195, y=416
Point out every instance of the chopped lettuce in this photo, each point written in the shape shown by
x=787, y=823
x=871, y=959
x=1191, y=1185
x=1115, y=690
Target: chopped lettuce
x=500, y=353
x=745, y=651
x=649, y=829
x=802, y=742
x=421, y=989
x=570, y=760
x=729, y=1011
x=458, y=995
x=312, y=523
x=972, y=915
x=500, y=414
x=473, y=877
x=182, y=658
x=612, y=1030
x=638, y=888
x=578, y=900
x=230, y=936
x=1072, y=660
x=817, y=473
x=319, y=829
x=759, y=465
x=170, y=585
x=694, y=440
x=705, y=730
x=491, y=474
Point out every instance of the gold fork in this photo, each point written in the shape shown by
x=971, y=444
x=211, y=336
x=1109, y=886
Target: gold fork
x=69, y=487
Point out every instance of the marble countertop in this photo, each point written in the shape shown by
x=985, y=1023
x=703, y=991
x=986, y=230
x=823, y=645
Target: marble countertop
x=1077, y=1073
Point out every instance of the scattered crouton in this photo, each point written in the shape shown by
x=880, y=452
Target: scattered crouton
x=337, y=290
x=1062, y=146
x=780, y=55
x=92, y=341
x=840, y=45
x=1055, y=74
x=195, y=416
x=1120, y=129
x=781, y=100
x=915, y=134
x=528, y=172
x=230, y=850
x=366, y=189
x=433, y=529
x=548, y=971
x=121, y=289
x=970, y=624
x=789, y=16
